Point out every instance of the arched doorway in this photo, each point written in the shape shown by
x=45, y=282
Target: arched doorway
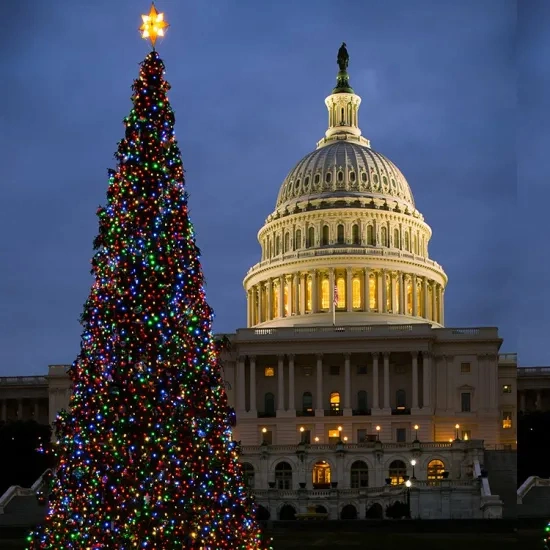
x=397, y=472
x=321, y=509
x=375, y=511
x=321, y=475
x=287, y=513
x=359, y=475
x=248, y=475
x=349, y=511
x=283, y=476
x=262, y=513
x=435, y=471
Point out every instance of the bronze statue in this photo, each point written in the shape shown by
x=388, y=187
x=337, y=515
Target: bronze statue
x=343, y=57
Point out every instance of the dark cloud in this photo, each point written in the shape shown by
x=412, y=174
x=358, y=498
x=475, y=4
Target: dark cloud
x=439, y=97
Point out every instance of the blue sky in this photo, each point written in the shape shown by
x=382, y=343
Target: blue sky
x=456, y=93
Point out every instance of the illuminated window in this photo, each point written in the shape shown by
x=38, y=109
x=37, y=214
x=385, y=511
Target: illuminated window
x=465, y=368
x=269, y=372
x=507, y=388
x=397, y=294
x=263, y=304
x=341, y=286
x=370, y=236
x=267, y=437
x=435, y=470
x=308, y=294
x=466, y=435
x=310, y=237
x=419, y=300
x=388, y=293
x=333, y=436
x=506, y=420
x=298, y=240
x=356, y=293
x=335, y=401
x=373, y=292
x=355, y=234
x=325, y=294
x=275, y=301
x=409, y=297
x=397, y=472
x=285, y=299
x=325, y=236
x=384, y=236
x=340, y=234
x=430, y=303
x=396, y=238
x=321, y=474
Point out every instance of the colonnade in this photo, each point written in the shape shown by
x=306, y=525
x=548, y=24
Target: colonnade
x=367, y=290
x=21, y=412
x=378, y=401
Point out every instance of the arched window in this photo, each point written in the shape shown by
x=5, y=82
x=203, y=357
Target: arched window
x=325, y=235
x=373, y=293
x=355, y=234
x=269, y=404
x=310, y=237
x=248, y=475
x=415, y=244
x=397, y=472
x=385, y=180
x=352, y=177
x=370, y=236
x=309, y=286
x=298, y=240
x=384, y=236
x=325, y=294
x=407, y=245
x=359, y=475
x=435, y=470
x=334, y=401
x=275, y=301
x=283, y=476
x=400, y=399
x=340, y=231
x=317, y=178
x=307, y=403
x=340, y=177
x=362, y=402
x=396, y=238
x=397, y=286
x=278, y=246
x=364, y=177
x=356, y=293
x=287, y=242
x=321, y=475
x=341, y=286
x=328, y=177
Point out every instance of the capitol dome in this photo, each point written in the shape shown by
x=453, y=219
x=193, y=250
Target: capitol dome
x=345, y=244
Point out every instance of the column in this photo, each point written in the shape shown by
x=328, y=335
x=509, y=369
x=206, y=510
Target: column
x=248, y=309
x=240, y=404
x=394, y=298
x=434, y=302
x=402, y=294
x=387, y=404
x=347, y=382
x=296, y=293
x=522, y=403
x=331, y=289
x=383, y=307
x=319, y=407
x=314, y=292
x=269, y=292
x=415, y=296
x=415, y=379
x=281, y=306
x=442, y=306
x=375, y=383
x=291, y=396
x=258, y=293
x=252, y=359
x=426, y=379
x=366, y=294
x=349, y=289
x=303, y=285
x=288, y=280
x=425, y=296
x=280, y=383
x=4, y=410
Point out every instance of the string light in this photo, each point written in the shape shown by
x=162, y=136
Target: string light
x=145, y=458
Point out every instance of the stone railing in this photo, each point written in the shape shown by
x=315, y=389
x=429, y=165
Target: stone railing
x=17, y=491
x=534, y=371
x=23, y=380
x=528, y=484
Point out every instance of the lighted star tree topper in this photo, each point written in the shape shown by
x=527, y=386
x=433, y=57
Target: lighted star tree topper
x=153, y=25
x=145, y=458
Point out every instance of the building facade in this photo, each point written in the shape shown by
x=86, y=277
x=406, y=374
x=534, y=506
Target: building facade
x=350, y=393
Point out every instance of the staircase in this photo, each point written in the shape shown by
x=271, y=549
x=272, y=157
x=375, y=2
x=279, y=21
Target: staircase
x=502, y=470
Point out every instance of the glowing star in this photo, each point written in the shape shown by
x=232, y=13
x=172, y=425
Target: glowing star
x=153, y=25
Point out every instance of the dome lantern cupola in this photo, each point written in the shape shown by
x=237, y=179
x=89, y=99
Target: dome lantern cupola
x=343, y=107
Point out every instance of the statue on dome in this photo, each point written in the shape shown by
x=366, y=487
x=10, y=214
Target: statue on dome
x=343, y=57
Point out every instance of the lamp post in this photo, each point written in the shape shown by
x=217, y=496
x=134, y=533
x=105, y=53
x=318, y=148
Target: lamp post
x=457, y=427
x=413, y=464
x=416, y=433
x=408, y=484
x=377, y=433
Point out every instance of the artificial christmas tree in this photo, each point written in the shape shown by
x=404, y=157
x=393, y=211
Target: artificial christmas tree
x=145, y=457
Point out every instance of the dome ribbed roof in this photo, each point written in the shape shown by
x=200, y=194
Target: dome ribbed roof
x=343, y=169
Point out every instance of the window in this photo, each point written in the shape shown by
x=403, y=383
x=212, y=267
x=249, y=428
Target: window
x=309, y=291
x=356, y=293
x=269, y=404
x=352, y=177
x=359, y=475
x=267, y=437
x=334, y=401
x=321, y=474
x=506, y=419
x=400, y=435
x=325, y=294
x=341, y=286
x=287, y=242
x=364, y=177
x=397, y=472
x=269, y=372
x=435, y=470
x=278, y=245
x=396, y=238
x=340, y=233
x=373, y=293
x=370, y=236
x=465, y=368
x=355, y=234
x=307, y=402
x=283, y=476
x=361, y=435
x=384, y=236
x=400, y=399
x=308, y=371
x=409, y=291
x=507, y=388
x=298, y=240
x=362, y=401
x=310, y=237
x=333, y=436
x=466, y=435
x=317, y=178
x=361, y=369
x=275, y=301
x=305, y=437
x=340, y=177
x=407, y=245
x=248, y=475
x=334, y=370
x=325, y=235
x=328, y=177
x=465, y=402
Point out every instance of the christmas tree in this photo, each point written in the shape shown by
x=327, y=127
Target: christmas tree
x=145, y=457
